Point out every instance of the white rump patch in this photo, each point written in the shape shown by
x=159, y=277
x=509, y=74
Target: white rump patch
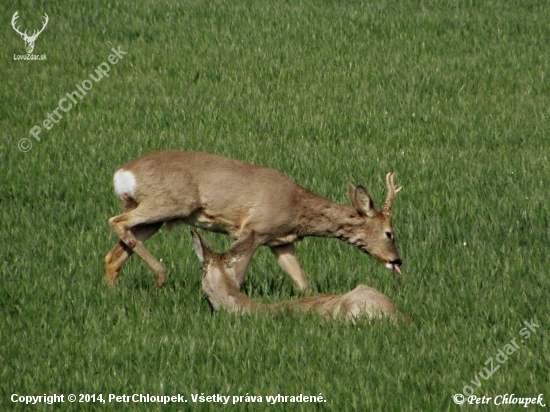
x=125, y=183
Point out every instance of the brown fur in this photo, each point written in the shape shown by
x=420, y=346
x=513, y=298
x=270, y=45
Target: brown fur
x=239, y=199
x=222, y=288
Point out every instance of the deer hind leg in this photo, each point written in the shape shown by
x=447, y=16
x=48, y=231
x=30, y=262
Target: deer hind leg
x=124, y=226
x=287, y=260
x=120, y=253
x=114, y=261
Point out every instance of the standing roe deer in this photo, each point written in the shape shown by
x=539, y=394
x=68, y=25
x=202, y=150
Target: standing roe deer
x=221, y=286
x=237, y=198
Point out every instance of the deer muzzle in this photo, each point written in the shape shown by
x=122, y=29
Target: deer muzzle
x=395, y=265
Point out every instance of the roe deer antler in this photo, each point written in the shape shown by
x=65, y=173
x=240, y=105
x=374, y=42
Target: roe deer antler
x=392, y=191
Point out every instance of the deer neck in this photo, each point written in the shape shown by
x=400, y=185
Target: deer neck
x=243, y=303
x=323, y=218
x=232, y=299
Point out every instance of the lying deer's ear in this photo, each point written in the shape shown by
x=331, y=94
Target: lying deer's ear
x=242, y=247
x=361, y=200
x=351, y=191
x=201, y=247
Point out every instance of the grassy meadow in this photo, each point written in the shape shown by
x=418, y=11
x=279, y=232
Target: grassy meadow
x=454, y=96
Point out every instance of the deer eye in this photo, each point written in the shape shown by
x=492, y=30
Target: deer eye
x=389, y=235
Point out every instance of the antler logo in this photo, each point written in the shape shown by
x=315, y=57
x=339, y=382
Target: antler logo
x=29, y=40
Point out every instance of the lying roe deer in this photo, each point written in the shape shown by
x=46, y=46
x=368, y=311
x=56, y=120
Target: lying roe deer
x=237, y=198
x=221, y=286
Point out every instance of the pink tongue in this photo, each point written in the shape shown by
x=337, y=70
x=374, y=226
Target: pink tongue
x=396, y=268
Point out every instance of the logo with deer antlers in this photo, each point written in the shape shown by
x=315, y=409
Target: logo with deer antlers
x=29, y=40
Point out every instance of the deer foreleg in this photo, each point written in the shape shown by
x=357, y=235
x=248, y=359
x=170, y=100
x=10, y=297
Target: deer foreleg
x=286, y=258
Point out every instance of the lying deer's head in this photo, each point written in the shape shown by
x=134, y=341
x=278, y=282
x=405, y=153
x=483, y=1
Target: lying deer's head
x=374, y=234
x=29, y=40
x=218, y=280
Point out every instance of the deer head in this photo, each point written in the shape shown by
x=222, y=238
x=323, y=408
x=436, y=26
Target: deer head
x=376, y=234
x=218, y=279
x=29, y=40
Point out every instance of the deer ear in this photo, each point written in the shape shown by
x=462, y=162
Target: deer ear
x=361, y=200
x=351, y=191
x=201, y=247
x=241, y=248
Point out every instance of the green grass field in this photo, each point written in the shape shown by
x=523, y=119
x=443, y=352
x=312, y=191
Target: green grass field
x=453, y=96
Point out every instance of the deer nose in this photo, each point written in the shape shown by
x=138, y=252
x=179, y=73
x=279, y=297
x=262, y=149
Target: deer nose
x=397, y=262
